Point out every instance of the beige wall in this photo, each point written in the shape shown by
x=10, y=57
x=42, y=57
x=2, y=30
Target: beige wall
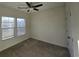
x=4, y=11
x=73, y=27
x=74, y=19
x=49, y=26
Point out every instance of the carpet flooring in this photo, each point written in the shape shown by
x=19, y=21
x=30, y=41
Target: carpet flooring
x=35, y=48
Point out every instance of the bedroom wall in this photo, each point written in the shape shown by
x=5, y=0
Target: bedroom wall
x=74, y=28
x=5, y=11
x=49, y=26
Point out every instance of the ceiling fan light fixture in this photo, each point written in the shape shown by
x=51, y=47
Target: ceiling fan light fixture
x=30, y=7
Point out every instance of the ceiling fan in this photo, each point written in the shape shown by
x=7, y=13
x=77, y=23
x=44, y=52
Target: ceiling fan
x=30, y=5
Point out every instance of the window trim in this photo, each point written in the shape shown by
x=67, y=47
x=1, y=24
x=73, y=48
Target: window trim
x=6, y=28
x=15, y=27
x=21, y=27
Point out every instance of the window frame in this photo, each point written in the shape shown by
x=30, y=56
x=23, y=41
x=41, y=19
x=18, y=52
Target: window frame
x=7, y=28
x=15, y=27
x=21, y=27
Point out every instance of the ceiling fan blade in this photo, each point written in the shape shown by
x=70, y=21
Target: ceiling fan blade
x=36, y=9
x=22, y=7
x=29, y=5
x=38, y=5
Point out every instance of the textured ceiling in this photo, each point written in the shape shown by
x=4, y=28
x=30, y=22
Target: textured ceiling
x=46, y=5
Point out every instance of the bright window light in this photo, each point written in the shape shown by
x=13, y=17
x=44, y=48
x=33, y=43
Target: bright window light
x=20, y=26
x=7, y=26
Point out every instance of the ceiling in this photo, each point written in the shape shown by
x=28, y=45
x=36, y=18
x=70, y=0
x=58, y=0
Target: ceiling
x=46, y=5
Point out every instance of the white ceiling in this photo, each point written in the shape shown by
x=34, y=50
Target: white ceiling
x=46, y=5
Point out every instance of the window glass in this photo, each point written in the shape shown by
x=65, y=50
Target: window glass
x=20, y=26
x=20, y=22
x=20, y=31
x=7, y=26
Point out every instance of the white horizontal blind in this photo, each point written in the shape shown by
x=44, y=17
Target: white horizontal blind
x=7, y=26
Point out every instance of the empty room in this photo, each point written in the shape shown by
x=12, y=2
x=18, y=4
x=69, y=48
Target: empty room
x=39, y=29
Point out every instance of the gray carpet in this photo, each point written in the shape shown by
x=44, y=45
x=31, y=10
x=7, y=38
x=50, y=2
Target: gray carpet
x=35, y=48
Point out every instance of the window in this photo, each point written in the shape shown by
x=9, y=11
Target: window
x=7, y=26
x=11, y=27
x=20, y=26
